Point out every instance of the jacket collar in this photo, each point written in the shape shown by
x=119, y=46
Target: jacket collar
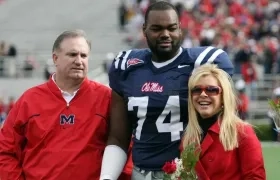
x=214, y=130
x=57, y=91
x=215, y=127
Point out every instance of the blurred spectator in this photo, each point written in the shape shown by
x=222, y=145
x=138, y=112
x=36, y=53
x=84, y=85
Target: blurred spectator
x=122, y=15
x=275, y=97
x=268, y=54
x=2, y=106
x=2, y=66
x=5, y=108
x=29, y=66
x=49, y=68
x=108, y=62
x=7, y=52
x=187, y=41
x=242, y=55
x=249, y=74
x=2, y=111
x=243, y=99
x=2, y=54
x=3, y=48
x=10, y=104
x=278, y=60
x=12, y=51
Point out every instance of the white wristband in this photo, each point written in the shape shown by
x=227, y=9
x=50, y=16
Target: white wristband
x=113, y=162
x=105, y=177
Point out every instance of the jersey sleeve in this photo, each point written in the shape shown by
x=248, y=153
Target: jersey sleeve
x=116, y=71
x=114, y=77
x=11, y=143
x=214, y=55
x=224, y=62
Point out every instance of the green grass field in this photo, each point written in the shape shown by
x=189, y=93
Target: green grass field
x=271, y=152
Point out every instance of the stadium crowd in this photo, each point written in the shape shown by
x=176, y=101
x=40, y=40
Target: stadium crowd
x=248, y=30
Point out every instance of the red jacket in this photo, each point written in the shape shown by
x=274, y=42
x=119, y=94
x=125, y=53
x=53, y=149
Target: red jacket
x=43, y=138
x=242, y=163
x=248, y=72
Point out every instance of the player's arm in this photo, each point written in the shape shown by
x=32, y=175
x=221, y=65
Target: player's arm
x=115, y=155
x=11, y=142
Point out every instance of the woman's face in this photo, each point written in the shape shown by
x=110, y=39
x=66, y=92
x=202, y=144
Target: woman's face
x=207, y=96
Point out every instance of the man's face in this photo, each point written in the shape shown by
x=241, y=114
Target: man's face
x=163, y=33
x=71, y=59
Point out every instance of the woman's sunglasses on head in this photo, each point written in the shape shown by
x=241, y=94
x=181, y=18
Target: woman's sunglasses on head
x=208, y=90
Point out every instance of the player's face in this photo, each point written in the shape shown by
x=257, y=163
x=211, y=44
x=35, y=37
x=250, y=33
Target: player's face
x=71, y=59
x=163, y=33
x=207, y=96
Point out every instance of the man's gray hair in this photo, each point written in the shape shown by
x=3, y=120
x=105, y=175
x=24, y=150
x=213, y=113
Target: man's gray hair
x=69, y=34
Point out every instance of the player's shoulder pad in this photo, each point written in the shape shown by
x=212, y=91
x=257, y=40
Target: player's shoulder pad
x=210, y=54
x=206, y=54
x=130, y=58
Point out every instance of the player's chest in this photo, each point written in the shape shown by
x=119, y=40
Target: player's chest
x=145, y=82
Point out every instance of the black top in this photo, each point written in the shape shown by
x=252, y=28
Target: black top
x=206, y=123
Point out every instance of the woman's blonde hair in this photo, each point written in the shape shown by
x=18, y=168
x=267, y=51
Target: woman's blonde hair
x=228, y=119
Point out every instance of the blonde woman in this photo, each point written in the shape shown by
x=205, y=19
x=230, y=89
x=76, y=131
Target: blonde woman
x=230, y=148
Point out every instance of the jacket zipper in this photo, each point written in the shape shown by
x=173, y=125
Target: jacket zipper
x=68, y=103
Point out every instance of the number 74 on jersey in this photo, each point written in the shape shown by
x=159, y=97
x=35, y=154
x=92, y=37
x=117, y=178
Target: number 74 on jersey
x=172, y=107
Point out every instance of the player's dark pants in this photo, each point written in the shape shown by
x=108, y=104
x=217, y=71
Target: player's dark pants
x=138, y=174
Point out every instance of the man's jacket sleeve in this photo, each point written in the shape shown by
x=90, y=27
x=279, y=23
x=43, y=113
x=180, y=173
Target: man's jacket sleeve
x=11, y=145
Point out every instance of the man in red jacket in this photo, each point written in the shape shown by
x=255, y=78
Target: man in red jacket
x=58, y=130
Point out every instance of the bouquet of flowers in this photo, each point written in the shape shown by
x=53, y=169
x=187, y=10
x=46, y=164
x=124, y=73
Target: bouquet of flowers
x=275, y=112
x=184, y=168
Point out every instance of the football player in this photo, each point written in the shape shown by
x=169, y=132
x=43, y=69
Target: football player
x=150, y=95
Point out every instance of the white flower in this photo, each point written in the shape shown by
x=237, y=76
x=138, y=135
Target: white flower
x=173, y=176
x=179, y=167
x=179, y=164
